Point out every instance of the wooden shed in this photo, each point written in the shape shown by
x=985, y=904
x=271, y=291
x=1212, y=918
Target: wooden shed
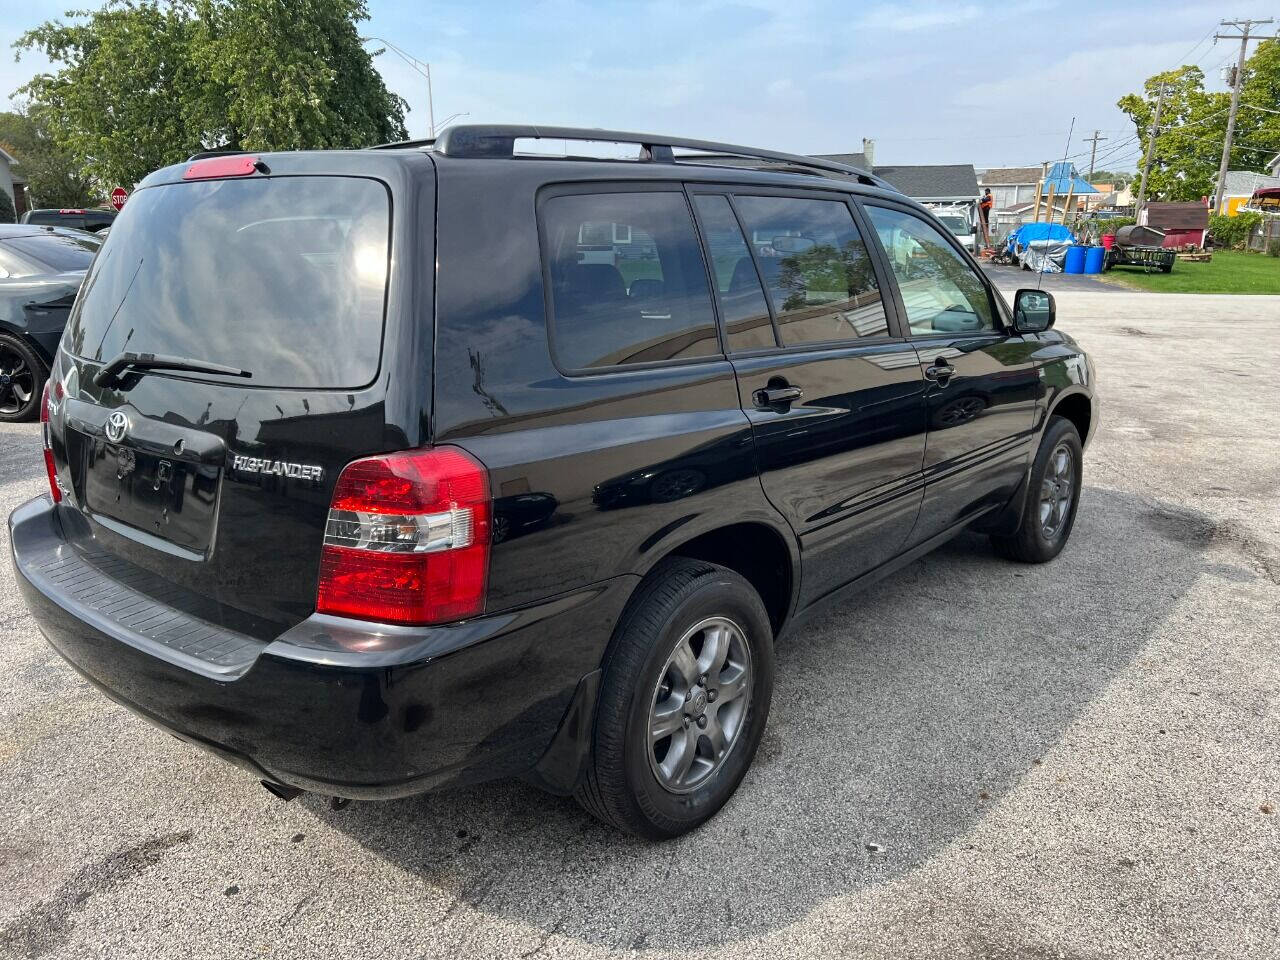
x=1182, y=223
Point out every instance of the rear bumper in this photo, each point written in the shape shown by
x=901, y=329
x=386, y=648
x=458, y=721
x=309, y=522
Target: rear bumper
x=335, y=706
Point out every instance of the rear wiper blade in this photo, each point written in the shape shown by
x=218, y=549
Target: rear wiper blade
x=109, y=376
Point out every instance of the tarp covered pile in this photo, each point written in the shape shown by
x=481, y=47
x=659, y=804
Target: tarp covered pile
x=1041, y=247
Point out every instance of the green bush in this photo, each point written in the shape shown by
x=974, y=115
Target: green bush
x=1232, y=233
x=7, y=213
x=1113, y=224
x=1273, y=248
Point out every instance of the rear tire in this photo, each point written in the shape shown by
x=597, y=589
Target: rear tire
x=663, y=672
x=1053, y=495
x=22, y=377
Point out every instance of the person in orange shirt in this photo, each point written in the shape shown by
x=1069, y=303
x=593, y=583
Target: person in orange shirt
x=984, y=211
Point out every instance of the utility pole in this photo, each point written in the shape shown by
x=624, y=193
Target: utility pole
x=1151, y=149
x=1093, y=152
x=1244, y=27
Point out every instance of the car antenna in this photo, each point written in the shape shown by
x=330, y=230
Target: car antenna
x=1065, y=150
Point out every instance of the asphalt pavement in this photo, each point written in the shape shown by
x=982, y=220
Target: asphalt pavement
x=974, y=759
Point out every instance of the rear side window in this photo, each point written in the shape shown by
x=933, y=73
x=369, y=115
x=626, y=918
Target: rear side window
x=817, y=268
x=282, y=276
x=746, y=315
x=628, y=284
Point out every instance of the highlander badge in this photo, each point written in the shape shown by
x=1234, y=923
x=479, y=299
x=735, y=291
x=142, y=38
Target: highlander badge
x=282, y=468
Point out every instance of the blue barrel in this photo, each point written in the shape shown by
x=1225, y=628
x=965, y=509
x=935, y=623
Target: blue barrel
x=1074, y=262
x=1093, y=259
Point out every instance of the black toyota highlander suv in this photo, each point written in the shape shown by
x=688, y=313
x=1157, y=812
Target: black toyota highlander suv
x=384, y=470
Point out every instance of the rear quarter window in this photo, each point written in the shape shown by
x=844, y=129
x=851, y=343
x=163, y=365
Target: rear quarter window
x=282, y=276
x=628, y=283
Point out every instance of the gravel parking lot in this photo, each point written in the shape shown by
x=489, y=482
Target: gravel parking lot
x=974, y=759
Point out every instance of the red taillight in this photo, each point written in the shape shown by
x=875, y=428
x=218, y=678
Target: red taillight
x=211, y=167
x=407, y=539
x=54, y=490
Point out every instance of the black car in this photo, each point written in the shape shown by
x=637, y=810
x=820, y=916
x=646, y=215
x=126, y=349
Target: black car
x=93, y=219
x=379, y=471
x=40, y=272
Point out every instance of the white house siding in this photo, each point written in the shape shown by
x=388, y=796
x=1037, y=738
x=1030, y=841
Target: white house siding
x=6, y=174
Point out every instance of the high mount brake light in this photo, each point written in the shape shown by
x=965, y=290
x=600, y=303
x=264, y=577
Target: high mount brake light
x=47, y=442
x=210, y=168
x=407, y=539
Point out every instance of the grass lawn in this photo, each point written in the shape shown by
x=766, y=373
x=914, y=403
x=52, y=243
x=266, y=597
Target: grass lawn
x=1228, y=272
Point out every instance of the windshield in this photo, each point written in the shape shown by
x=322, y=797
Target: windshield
x=53, y=252
x=282, y=276
x=956, y=224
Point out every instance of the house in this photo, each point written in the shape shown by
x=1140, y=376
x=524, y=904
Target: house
x=949, y=183
x=1240, y=187
x=6, y=175
x=1011, y=186
x=1110, y=196
x=1275, y=165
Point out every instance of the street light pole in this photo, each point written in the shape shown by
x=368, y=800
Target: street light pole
x=423, y=68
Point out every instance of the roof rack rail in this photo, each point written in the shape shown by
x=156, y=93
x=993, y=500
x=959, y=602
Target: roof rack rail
x=403, y=144
x=498, y=140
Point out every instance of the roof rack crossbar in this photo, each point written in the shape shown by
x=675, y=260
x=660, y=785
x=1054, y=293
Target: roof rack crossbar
x=499, y=140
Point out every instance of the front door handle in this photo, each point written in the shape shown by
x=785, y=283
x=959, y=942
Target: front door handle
x=939, y=372
x=768, y=397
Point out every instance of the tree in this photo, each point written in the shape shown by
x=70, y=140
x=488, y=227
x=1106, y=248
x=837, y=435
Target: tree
x=54, y=177
x=1193, y=125
x=1188, y=144
x=145, y=83
x=1258, y=125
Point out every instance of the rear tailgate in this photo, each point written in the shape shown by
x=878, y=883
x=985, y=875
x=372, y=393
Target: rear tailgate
x=218, y=486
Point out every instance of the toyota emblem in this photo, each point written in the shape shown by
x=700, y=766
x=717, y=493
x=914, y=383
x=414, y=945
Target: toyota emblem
x=117, y=426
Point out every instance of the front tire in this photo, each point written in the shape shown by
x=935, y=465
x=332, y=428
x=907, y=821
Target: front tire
x=1052, y=497
x=683, y=702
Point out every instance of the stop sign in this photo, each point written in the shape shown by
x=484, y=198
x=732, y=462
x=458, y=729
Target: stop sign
x=118, y=197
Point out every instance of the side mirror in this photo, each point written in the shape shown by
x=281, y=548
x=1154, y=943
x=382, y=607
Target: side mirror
x=1033, y=311
x=793, y=244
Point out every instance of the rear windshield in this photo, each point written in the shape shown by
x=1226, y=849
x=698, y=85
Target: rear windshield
x=54, y=252
x=284, y=277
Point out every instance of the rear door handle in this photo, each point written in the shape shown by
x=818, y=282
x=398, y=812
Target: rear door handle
x=767, y=397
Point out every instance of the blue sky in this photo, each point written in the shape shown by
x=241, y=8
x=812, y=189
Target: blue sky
x=931, y=82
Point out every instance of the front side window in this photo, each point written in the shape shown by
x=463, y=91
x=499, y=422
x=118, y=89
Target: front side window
x=941, y=292
x=745, y=313
x=816, y=267
x=628, y=284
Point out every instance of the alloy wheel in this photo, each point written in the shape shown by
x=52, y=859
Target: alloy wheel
x=17, y=381
x=699, y=704
x=1057, y=490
